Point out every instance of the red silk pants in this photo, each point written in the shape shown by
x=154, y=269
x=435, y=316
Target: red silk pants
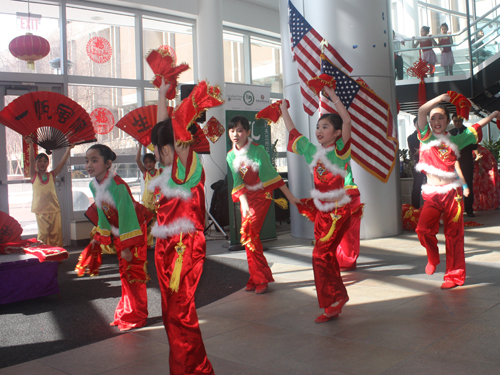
x=348, y=250
x=329, y=285
x=436, y=204
x=260, y=272
x=187, y=351
x=132, y=309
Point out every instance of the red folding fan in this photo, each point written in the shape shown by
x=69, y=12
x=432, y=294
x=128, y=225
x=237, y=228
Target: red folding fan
x=272, y=112
x=162, y=61
x=10, y=229
x=52, y=120
x=140, y=122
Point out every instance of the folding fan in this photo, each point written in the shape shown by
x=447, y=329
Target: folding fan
x=162, y=61
x=140, y=122
x=10, y=229
x=199, y=100
x=317, y=84
x=52, y=120
x=272, y=112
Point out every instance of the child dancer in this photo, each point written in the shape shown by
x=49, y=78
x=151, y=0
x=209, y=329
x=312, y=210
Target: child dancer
x=447, y=60
x=254, y=179
x=327, y=162
x=427, y=53
x=443, y=194
x=149, y=172
x=45, y=204
x=120, y=215
x=180, y=243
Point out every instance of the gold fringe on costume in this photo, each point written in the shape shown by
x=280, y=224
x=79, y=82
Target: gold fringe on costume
x=280, y=202
x=247, y=233
x=458, y=199
x=175, y=279
x=332, y=228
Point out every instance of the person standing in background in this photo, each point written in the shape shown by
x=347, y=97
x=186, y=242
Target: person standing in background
x=466, y=161
x=418, y=177
x=397, y=41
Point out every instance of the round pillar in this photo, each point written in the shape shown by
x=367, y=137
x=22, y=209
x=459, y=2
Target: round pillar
x=362, y=34
x=210, y=58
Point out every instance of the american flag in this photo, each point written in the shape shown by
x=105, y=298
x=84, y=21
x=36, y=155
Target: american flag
x=306, y=50
x=374, y=142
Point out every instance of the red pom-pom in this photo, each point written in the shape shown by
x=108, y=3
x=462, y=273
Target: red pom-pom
x=272, y=113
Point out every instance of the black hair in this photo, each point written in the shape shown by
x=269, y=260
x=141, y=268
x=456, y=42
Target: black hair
x=333, y=119
x=104, y=151
x=415, y=120
x=41, y=155
x=454, y=115
x=163, y=134
x=149, y=156
x=443, y=107
x=239, y=120
x=427, y=29
x=444, y=24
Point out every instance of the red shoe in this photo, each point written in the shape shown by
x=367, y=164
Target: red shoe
x=448, y=285
x=332, y=311
x=323, y=318
x=430, y=268
x=249, y=288
x=261, y=288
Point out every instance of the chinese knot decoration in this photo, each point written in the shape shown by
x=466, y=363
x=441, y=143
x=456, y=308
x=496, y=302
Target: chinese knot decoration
x=420, y=69
x=29, y=48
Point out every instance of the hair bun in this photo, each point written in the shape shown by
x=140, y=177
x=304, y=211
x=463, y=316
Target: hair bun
x=113, y=156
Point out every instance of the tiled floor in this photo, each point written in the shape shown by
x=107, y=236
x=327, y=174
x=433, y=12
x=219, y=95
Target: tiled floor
x=398, y=320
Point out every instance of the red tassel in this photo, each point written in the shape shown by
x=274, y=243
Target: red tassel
x=422, y=95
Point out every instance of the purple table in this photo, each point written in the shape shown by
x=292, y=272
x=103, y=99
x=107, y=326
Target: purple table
x=22, y=277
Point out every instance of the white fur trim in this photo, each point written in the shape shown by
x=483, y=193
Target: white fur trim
x=115, y=231
x=329, y=195
x=178, y=226
x=162, y=183
x=320, y=155
x=244, y=160
x=441, y=138
x=102, y=193
x=155, y=182
x=244, y=149
x=440, y=189
x=329, y=206
x=429, y=169
x=258, y=186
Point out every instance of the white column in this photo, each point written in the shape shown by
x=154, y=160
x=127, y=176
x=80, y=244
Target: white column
x=210, y=59
x=361, y=32
x=299, y=176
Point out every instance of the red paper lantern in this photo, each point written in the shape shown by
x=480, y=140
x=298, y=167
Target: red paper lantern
x=29, y=48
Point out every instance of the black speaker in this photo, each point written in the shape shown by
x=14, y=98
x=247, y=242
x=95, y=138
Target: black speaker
x=185, y=91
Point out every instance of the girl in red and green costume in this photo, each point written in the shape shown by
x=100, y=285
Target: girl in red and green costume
x=180, y=242
x=120, y=215
x=331, y=211
x=254, y=179
x=442, y=194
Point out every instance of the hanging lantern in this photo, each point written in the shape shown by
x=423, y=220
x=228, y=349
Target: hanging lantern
x=29, y=48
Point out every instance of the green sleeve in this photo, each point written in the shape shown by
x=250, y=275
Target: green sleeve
x=127, y=217
x=237, y=180
x=267, y=172
x=194, y=174
x=464, y=139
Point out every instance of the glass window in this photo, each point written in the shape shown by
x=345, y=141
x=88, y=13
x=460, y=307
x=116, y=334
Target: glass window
x=44, y=23
x=176, y=35
x=234, y=63
x=100, y=44
x=266, y=64
x=118, y=101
